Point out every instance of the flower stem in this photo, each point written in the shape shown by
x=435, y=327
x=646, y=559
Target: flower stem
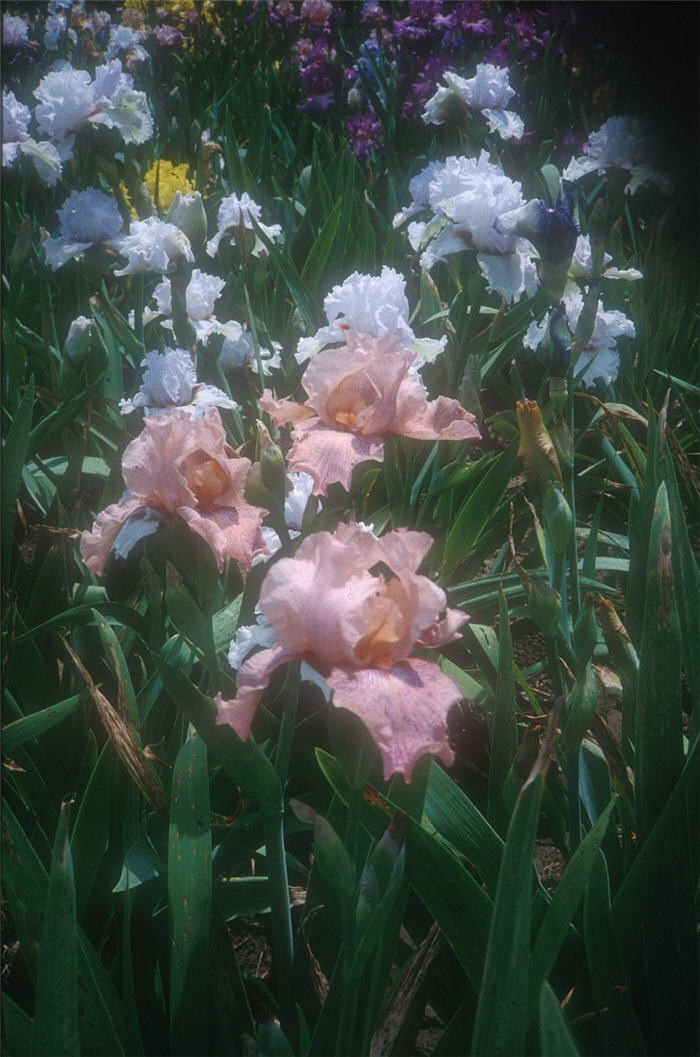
x=281, y=921
x=281, y=918
x=138, y=289
x=347, y=1017
x=570, y=496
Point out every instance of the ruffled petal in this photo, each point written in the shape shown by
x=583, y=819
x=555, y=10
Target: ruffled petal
x=58, y=252
x=317, y=601
x=253, y=679
x=231, y=532
x=506, y=123
x=507, y=274
x=95, y=546
x=330, y=455
x=404, y=708
x=441, y=419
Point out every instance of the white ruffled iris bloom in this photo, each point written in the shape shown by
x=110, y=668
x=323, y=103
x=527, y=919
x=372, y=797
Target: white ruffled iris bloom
x=69, y=99
x=369, y=304
x=419, y=190
x=249, y=637
x=488, y=91
x=16, y=140
x=466, y=195
x=239, y=212
x=153, y=245
x=87, y=218
x=169, y=381
x=624, y=143
x=125, y=39
x=15, y=31
x=600, y=360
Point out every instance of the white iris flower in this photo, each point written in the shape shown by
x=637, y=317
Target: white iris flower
x=489, y=92
x=369, y=304
x=466, y=195
x=169, y=381
x=600, y=360
x=69, y=100
x=235, y=213
x=87, y=218
x=153, y=245
x=624, y=143
x=16, y=140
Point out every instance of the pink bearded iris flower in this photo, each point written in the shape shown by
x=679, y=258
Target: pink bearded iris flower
x=183, y=466
x=357, y=395
x=354, y=607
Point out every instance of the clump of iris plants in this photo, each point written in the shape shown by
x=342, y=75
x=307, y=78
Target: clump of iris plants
x=349, y=393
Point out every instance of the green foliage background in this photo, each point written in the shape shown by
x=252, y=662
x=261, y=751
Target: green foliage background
x=144, y=863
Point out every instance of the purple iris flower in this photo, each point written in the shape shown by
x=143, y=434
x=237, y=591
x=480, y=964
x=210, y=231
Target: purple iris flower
x=364, y=135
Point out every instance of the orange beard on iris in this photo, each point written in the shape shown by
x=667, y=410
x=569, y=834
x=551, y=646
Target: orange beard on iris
x=390, y=620
x=349, y=399
x=205, y=478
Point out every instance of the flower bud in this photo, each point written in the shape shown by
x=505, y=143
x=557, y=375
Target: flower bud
x=469, y=389
x=557, y=517
x=536, y=449
x=551, y=230
x=587, y=317
x=562, y=440
x=585, y=633
x=77, y=343
x=580, y=707
x=273, y=469
x=597, y=228
x=256, y=493
x=544, y=606
x=187, y=213
x=23, y=243
x=558, y=393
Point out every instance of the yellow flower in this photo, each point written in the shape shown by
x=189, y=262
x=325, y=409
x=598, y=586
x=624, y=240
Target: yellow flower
x=177, y=11
x=169, y=179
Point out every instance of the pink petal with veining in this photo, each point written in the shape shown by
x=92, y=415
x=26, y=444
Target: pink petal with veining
x=253, y=680
x=441, y=419
x=356, y=387
x=317, y=601
x=160, y=464
x=404, y=708
x=231, y=532
x=330, y=455
x=403, y=551
x=96, y=544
